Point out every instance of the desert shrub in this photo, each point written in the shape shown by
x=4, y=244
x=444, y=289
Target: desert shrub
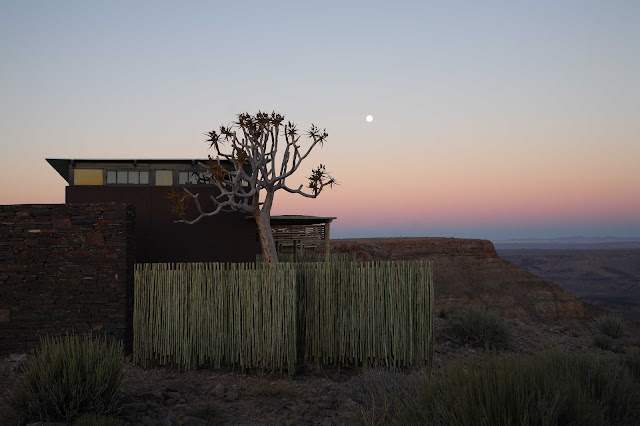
x=70, y=376
x=478, y=328
x=610, y=325
x=546, y=388
x=632, y=361
x=97, y=420
x=603, y=342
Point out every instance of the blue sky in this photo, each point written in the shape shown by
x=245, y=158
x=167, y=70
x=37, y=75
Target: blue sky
x=491, y=119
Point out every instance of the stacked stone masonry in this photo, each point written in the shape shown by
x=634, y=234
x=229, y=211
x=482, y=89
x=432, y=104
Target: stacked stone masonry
x=65, y=269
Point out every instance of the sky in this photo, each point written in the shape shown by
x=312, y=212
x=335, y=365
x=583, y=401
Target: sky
x=492, y=119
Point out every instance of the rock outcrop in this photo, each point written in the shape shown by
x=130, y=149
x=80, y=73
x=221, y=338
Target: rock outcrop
x=469, y=272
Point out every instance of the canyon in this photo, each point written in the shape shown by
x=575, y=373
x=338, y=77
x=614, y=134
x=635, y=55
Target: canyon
x=469, y=272
x=608, y=278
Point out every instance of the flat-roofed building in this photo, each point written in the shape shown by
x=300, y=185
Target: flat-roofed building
x=226, y=237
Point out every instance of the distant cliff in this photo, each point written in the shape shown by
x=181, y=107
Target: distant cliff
x=470, y=273
x=607, y=278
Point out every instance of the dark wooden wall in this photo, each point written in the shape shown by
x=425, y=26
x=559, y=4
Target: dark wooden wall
x=228, y=237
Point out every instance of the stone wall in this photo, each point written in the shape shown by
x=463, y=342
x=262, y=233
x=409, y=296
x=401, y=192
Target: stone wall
x=65, y=268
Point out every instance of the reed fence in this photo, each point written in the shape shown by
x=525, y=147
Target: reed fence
x=272, y=317
x=367, y=312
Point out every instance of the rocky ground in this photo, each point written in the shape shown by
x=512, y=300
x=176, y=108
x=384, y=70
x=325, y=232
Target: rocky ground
x=165, y=396
x=466, y=273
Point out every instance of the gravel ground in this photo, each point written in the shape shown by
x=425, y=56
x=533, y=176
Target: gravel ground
x=165, y=396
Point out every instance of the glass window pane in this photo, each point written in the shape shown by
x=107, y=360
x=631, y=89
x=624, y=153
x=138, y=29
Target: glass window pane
x=122, y=176
x=193, y=178
x=144, y=178
x=111, y=177
x=183, y=178
x=134, y=178
x=88, y=177
x=164, y=177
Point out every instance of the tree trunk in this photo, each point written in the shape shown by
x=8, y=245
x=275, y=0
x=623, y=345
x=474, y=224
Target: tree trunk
x=269, y=253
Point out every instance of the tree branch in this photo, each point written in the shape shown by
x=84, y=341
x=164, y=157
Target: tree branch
x=296, y=191
x=251, y=166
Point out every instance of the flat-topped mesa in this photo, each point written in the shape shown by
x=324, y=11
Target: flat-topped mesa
x=414, y=248
x=469, y=272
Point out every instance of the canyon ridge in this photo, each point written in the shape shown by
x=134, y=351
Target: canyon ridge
x=469, y=272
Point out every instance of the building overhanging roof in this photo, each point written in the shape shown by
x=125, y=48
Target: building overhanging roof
x=61, y=165
x=296, y=219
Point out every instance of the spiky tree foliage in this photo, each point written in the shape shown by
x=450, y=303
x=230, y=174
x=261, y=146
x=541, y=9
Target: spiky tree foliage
x=251, y=163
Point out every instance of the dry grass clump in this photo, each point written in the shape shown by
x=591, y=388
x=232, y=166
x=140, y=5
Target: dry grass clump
x=546, y=388
x=632, y=361
x=68, y=377
x=377, y=391
x=97, y=420
x=603, y=342
x=478, y=328
x=610, y=325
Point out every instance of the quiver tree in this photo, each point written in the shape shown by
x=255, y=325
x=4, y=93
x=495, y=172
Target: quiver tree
x=252, y=162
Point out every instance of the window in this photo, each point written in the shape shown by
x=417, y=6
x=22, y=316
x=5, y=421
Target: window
x=127, y=177
x=87, y=176
x=122, y=176
x=164, y=177
x=193, y=178
x=199, y=178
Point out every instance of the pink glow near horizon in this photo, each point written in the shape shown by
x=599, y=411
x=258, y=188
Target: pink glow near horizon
x=482, y=121
x=464, y=206
x=453, y=204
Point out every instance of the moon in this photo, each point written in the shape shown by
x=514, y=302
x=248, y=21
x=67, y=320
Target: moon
x=369, y=118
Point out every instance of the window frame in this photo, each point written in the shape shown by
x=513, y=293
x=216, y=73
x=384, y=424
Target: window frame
x=244, y=183
x=128, y=171
x=189, y=172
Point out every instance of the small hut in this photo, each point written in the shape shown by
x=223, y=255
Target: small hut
x=298, y=234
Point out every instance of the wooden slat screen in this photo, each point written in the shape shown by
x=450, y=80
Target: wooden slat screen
x=297, y=232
